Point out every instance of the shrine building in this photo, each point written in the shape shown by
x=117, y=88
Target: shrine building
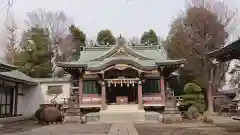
x=120, y=74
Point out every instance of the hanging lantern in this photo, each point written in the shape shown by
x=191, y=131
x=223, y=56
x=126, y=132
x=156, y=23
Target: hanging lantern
x=127, y=84
x=115, y=84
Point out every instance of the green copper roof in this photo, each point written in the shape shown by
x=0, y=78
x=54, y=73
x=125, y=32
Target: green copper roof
x=6, y=66
x=17, y=76
x=96, y=58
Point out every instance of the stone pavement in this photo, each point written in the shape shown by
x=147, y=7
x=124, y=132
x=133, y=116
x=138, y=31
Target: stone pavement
x=123, y=129
x=223, y=126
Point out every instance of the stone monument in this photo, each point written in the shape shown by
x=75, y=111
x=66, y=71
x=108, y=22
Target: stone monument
x=171, y=112
x=73, y=113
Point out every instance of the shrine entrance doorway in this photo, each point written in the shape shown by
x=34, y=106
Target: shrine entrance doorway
x=125, y=94
x=121, y=85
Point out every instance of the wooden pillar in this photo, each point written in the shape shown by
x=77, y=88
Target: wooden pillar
x=140, y=103
x=16, y=99
x=162, y=84
x=103, y=87
x=80, y=89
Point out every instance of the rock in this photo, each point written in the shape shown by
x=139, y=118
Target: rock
x=193, y=113
x=185, y=115
x=207, y=118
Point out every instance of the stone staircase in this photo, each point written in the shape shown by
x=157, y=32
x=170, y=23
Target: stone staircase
x=73, y=115
x=122, y=113
x=122, y=108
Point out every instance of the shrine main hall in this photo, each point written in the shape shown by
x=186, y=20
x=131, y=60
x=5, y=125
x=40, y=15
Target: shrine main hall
x=121, y=74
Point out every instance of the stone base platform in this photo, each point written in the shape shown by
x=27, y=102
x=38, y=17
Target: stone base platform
x=72, y=119
x=122, y=116
x=171, y=118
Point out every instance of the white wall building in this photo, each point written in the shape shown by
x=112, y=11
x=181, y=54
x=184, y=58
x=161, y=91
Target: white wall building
x=21, y=95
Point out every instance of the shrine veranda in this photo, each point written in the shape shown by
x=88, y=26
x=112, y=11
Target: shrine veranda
x=120, y=74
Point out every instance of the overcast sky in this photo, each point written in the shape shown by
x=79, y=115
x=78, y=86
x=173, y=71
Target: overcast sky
x=127, y=17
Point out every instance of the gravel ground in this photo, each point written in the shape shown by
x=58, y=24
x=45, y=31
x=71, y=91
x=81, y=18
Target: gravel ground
x=150, y=129
x=58, y=129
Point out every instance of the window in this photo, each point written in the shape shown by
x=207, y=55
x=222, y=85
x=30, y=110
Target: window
x=151, y=86
x=91, y=87
x=6, y=101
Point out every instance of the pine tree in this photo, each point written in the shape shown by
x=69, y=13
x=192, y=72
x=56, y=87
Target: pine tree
x=193, y=96
x=34, y=58
x=79, y=39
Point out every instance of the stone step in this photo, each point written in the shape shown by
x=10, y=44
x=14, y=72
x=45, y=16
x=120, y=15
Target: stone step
x=73, y=111
x=121, y=117
x=93, y=116
x=72, y=114
x=122, y=108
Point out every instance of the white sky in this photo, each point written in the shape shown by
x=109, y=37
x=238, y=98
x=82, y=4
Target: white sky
x=127, y=17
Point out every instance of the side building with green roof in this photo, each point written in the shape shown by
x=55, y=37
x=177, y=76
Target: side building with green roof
x=21, y=95
x=12, y=82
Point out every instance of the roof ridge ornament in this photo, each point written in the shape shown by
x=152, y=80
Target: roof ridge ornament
x=120, y=40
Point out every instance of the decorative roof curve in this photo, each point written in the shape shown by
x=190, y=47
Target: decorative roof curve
x=121, y=46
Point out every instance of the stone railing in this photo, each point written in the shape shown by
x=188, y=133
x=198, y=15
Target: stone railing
x=152, y=98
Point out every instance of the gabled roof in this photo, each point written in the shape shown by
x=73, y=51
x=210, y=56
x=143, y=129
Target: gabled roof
x=17, y=76
x=143, y=57
x=121, y=47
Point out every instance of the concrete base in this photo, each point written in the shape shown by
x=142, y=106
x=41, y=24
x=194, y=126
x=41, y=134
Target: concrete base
x=92, y=117
x=153, y=116
x=122, y=116
x=72, y=119
x=171, y=118
x=122, y=113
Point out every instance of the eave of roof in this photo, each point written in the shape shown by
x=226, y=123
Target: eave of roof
x=7, y=66
x=233, y=47
x=71, y=65
x=51, y=80
x=170, y=62
x=142, y=64
x=17, y=76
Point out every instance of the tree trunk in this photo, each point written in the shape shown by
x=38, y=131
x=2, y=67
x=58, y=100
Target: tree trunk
x=209, y=92
x=208, y=76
